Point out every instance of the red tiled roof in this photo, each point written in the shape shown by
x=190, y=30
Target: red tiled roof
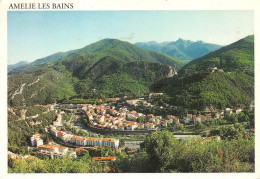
x=61, y=147
x=78, y=149
x=77, y=138
x=103, y=158
x=60, y=133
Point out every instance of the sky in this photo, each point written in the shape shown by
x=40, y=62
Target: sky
x=37, y=34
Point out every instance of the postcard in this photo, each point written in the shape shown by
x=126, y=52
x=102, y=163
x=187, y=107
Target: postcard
x=129, y=89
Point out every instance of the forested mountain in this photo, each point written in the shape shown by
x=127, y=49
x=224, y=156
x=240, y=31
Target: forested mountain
x=27, y=67
x=123, y=51
x=184, y=50
x=236, y=56
x=107, y=68
x=52, y=58
x=44, y=86
x=19, y=64
x=223, y=78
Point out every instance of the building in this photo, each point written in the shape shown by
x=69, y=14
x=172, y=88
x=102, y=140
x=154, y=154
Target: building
x=104, y=159
x=50, y=107
x=131, y=127
x=54, y=131
x=78, y=140
x=237, y=111
x=197, y=119
x=52, y=150
x=58, y=121
x=149, y=126
x=164, y=123
x=36, y=140
x=152, y=95
x=113, y=143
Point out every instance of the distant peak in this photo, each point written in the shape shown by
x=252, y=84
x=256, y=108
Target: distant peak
x=180, y=40
x=108, y=40
x=200, y=41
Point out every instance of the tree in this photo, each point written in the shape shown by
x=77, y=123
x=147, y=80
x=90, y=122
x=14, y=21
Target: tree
x=199, y=126
x=235, y=131
x=160, y=147
x=140, y=119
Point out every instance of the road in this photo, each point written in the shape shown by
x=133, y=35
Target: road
x=77, y=122
x=132, y=144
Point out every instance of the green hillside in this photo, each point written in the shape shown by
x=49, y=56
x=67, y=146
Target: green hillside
x=123, y=51
x=236, y=56
x=111, y=67
x=230, y=85
x=43, y=86
x=52, y=58
x=107, y=68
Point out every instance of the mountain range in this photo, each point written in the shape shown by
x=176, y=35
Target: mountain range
x=19, y=64
x=184, y=50
x=219, y=79
x=110, y=67
x=106, y=68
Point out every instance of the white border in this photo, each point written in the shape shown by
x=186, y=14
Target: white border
x=127, y=5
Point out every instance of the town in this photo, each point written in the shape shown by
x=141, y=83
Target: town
x=112, y=118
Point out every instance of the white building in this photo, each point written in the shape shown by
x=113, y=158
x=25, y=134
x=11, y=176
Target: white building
x=164, y=123
x=51, y=149
x=152, y=95
x=36, y=140
x=58, y=121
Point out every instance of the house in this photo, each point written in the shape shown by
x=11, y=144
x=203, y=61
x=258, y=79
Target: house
x=131, y=127
x=157, y=121
x=132, y=102
x=61, y=135
x=149, y=116
x=217, y=115
x=164, y=123
x=152, y=95
x=78, y=140
x=197, y=119
x=104, y=159
x=67, y=137
x=187, y=120
x=213, y=69
x=150, y=126
x=120, y=128
x=158, y=117
x=112, y=99
x=140, y=126
x=152, y=119
x=203, y=118
x=170, y=117
x=228, y=110
x=89, y=116
x=237, y=111
x=53, y=150
x=58, y=121
x=36, y=140
x=170, y=121
x=49, y=107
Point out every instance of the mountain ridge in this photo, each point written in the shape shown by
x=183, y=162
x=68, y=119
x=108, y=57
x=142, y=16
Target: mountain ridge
x=101, y=69
x=223, y=78
x=185, y=50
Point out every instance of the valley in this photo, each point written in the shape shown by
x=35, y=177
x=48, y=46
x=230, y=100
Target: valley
x=113, y=106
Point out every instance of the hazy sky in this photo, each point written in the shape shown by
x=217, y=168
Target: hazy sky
x=33, y=35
